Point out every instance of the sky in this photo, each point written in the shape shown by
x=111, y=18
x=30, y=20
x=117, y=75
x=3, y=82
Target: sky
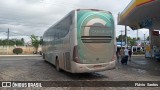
x=26, y=17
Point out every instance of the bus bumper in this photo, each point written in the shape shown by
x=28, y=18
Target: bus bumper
x=83, y=68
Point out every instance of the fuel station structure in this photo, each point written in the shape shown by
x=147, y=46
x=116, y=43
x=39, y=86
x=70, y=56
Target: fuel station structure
x=143, y=14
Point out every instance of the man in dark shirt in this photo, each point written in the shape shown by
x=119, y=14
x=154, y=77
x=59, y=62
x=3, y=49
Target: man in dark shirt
x=118, y=53
x=130, y=54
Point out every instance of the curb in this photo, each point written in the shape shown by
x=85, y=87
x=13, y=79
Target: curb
x=18, y=55
x=139, y=55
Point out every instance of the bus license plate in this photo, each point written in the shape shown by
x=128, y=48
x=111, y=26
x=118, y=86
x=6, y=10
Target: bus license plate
x=97, y=66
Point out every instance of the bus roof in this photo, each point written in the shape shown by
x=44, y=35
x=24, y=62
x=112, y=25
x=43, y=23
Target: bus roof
x=94, y=10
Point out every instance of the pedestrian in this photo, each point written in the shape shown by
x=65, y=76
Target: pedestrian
x=122, y=55
x=130, y=54
x=126, y=55
x=118, y=53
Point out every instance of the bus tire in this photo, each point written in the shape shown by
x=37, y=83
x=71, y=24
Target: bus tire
x=57, y=65
x=43, y=56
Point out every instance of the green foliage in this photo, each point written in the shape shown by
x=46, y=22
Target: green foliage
x=132, y=42
x=134, y=38
x=12, y=42
x=120, y=37
x=35, y=42
x=41, y=41
x=17, y=51
x=129, y=38
x=148, y=38
x=138, y=38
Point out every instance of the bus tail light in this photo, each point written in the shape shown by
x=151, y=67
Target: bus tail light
x=75, y=55
x=114, y=53
x=114, y=57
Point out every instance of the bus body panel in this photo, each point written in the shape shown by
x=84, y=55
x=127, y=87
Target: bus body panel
x=82, y=68
x=95, y=36
x=57, y=42
x=60, y=40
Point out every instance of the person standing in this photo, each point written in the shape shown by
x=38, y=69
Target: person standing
x=122, y=55
x=126, y=55
x=118, y=53
x=130, y=54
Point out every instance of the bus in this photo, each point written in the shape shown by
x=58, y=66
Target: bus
x=83, y=41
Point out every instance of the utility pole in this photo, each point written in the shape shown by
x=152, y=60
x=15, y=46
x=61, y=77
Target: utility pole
x=137, y=34
x=126, y=36
x=121, y=38
x=8, y=41
x=144, y=40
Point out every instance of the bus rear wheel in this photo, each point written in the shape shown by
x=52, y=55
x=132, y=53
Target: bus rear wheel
x=43, y=56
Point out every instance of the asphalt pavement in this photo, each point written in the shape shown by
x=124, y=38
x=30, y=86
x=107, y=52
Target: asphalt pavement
x=33, y=68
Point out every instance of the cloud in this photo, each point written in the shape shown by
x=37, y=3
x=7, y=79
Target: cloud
x=35, y=16
x=31, y=15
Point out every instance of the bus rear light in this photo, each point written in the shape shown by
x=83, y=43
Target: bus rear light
x=114, y=53
x=114, y=57
x=75, y=55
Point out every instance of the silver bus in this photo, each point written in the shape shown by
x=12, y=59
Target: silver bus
x=83, y=41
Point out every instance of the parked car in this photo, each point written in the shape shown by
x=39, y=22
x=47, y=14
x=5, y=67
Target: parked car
x=157, y=56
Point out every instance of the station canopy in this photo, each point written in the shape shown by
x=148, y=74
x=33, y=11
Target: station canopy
x=141, y=14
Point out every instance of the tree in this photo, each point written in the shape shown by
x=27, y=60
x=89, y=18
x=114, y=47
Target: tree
x=134, y=38
x=129, y=38
x=4, y=42
x=138, y=38
x=148, y=38
x=35, y=42
x=132, y=42
x=19, y=42
x=22, y=40
x=1, y=42
x=120, y=37
x=17, y=50
x=12, y=42
x=41, y=40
